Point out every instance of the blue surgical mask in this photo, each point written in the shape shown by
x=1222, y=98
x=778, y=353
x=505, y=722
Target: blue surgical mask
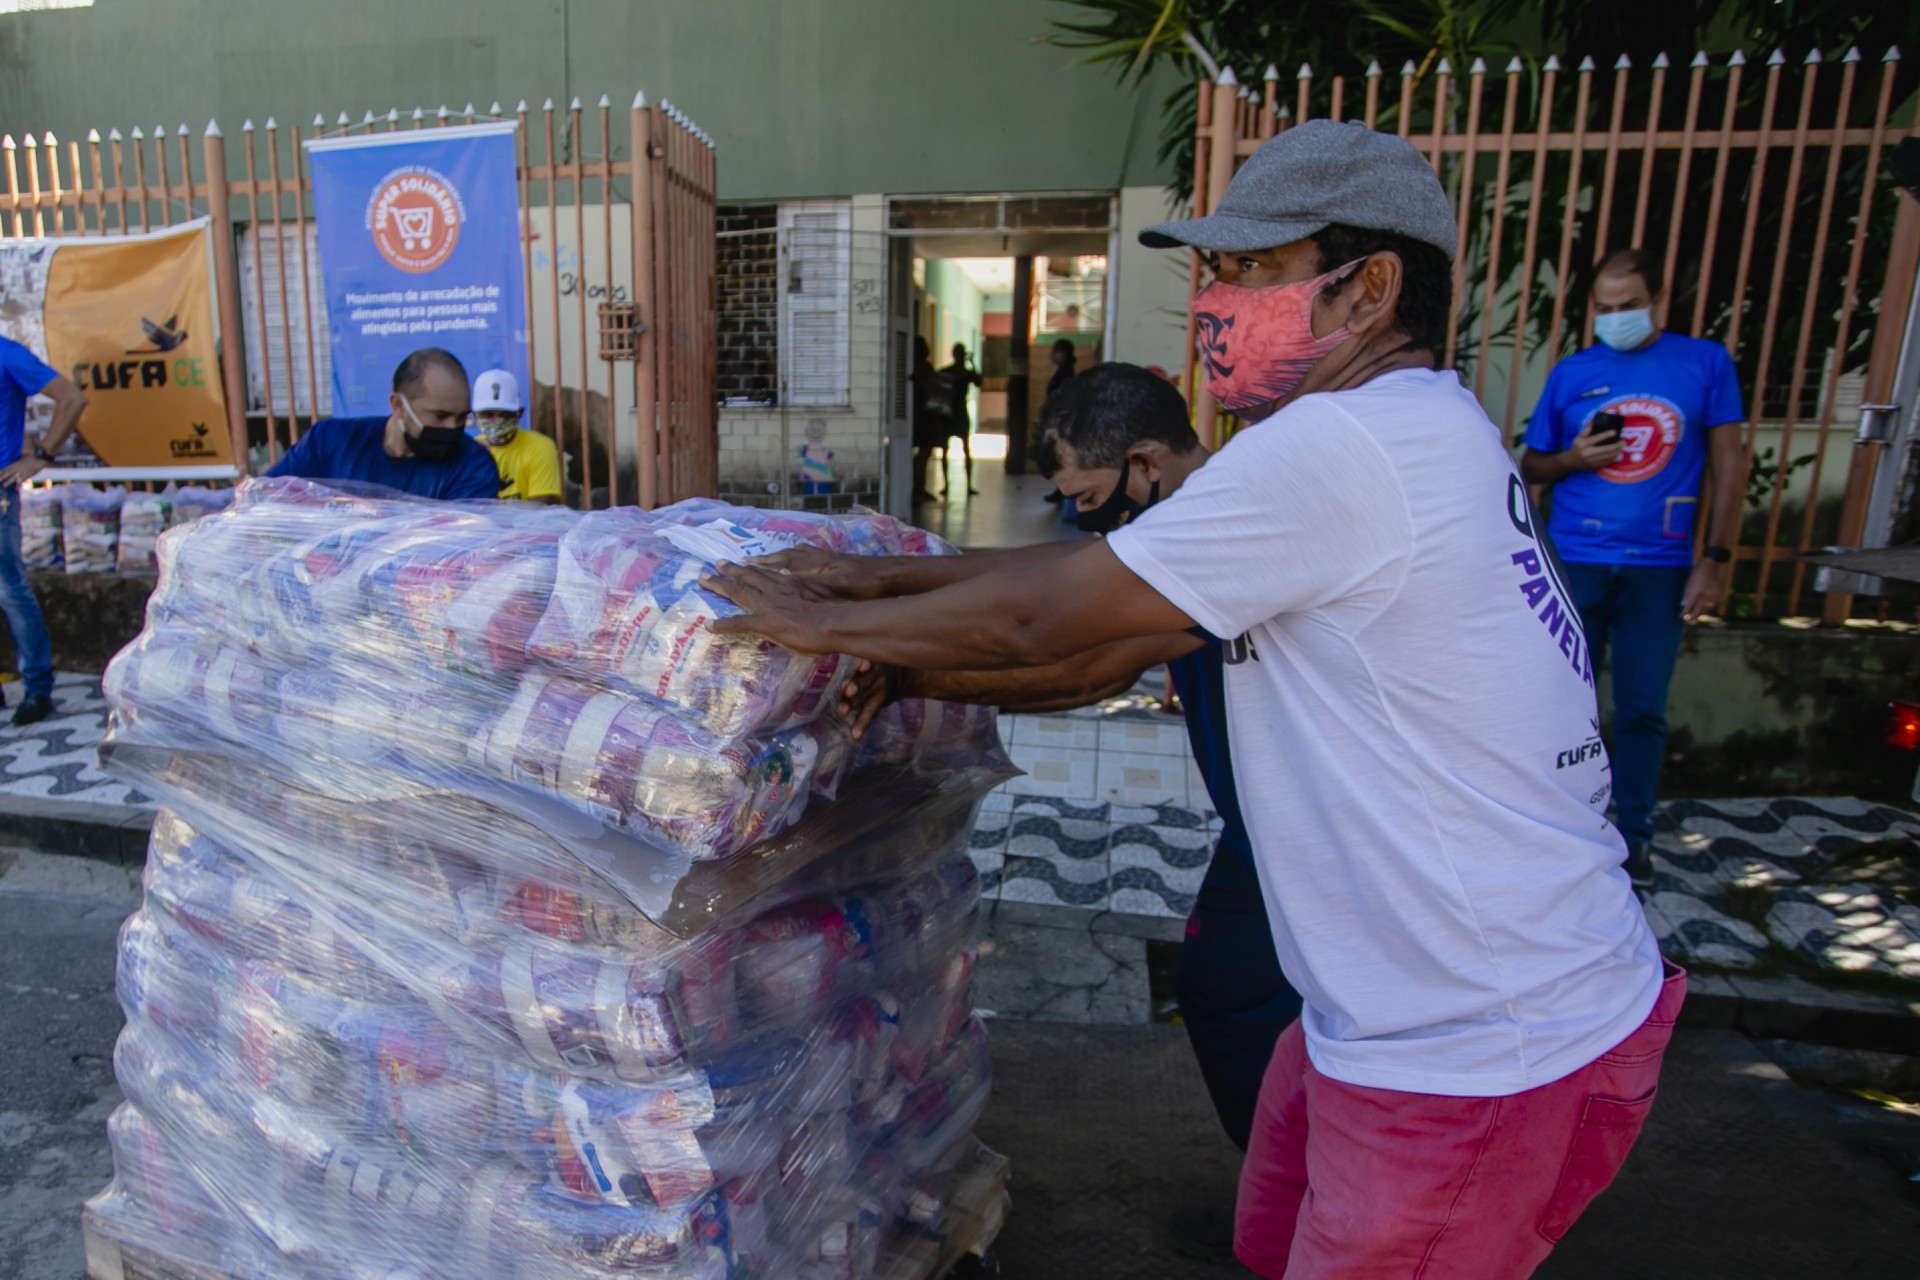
x=1624, y=330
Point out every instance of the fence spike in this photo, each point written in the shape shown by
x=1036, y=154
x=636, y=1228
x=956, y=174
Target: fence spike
x=1445, y=68
x=1553, y=62
x=522, y=108
x=1586, y=64
x=246, y=125
x=1408, y=69
x=442, y=113
x=159, y=131
x=1623, y=63
x=319, y=123
x=213, y=131
x=270, y=123
x=1778, y=59
x=547, y=105
x=640, y=100
x=605, y=102
x=31, y=144
x=1373, y=69
x=1813, y=57
x=575, y=104
x=1737, y=59
x=1515, y=67
x=393, y=115
x=182, y=130
x=342, y=121
x=113, y=135
x=1700, y=60
x=469, y=112
x=1479, y=67
x=1660, y=62
x=494, y=110
x=137, y=136
x=1272, y=72
x=6, y=143
x=1246, y=93
x=48, y=140
x=368, y=118
x=93, y=135
x=1853, y=55
x=1227, y=77
x=1893, y=53
x=1306, y=73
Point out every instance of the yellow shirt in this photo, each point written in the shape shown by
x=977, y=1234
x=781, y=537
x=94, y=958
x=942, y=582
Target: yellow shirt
x=529, y=466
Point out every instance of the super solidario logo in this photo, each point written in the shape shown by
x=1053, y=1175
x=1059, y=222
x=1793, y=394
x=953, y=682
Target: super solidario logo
x=414, y=217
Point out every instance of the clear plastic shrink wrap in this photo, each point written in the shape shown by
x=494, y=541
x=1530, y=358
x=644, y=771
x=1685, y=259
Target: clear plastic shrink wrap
x=471, y=948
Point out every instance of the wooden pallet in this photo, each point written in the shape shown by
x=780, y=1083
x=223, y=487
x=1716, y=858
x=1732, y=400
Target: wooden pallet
x=976, y=1210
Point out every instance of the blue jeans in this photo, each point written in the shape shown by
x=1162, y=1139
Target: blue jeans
x=1233, y=998
x=1636, y=608
x=17, y=603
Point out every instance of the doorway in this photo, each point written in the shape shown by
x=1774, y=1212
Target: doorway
x=1003, y=279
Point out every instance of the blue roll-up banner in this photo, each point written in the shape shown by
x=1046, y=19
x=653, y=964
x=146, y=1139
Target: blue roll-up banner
x=419, y=247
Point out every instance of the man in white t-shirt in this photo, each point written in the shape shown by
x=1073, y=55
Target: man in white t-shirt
x=1412, y=709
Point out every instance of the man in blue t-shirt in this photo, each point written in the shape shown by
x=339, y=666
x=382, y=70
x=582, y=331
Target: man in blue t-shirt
x=421, y=447
x=23, y=375
x=1622, y=435
x=1116, y=439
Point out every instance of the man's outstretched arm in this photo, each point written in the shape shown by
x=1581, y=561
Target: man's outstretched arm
x=1018, y=617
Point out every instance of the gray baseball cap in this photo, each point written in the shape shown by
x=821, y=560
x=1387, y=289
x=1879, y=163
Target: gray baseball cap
x=1316, y=174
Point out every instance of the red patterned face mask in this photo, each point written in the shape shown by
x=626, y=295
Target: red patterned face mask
x=1258, y=343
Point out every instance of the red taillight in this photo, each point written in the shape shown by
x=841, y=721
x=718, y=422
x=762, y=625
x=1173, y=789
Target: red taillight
x=1903, y=725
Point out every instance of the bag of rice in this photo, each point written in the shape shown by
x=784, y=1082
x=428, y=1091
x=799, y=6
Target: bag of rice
x=143, y=518
x=90, y=527
x=40, y=526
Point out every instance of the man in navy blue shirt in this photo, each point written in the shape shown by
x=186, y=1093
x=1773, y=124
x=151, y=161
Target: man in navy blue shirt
x=421, y=448
x=1116, y=439
x=1622, y=435
x=22, y=375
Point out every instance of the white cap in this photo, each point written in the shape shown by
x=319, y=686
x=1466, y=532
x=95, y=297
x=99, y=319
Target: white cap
x=496, y=389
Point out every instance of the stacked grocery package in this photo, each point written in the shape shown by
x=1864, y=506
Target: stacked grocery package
x=501, y=920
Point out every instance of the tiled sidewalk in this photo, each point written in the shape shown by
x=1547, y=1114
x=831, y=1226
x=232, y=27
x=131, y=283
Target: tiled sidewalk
x=57, y=758
x=1111, y=815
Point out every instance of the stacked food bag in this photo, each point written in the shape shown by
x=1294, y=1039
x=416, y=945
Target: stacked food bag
x=504, y=921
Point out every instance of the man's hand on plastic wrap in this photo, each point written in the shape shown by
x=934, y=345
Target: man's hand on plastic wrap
x=835, y=576
x=871, y=686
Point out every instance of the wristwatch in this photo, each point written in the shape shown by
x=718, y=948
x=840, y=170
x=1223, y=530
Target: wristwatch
x=42, y=454
x=1719, y=555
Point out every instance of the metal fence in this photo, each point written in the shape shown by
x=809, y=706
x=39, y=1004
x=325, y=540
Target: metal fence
x=618, y=227
x=1760, y=189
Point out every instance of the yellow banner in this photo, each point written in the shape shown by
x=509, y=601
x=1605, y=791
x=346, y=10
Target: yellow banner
x=130, y=322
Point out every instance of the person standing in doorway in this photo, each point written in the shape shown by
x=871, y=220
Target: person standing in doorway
x=959, y=380
x=529, y=462
x=1064, y=357
x=1622, y=434
x=929, y=417
x=22, y=375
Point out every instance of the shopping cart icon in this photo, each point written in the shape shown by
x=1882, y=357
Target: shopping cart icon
x=416, y=227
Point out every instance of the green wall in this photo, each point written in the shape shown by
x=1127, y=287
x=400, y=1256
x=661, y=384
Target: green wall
x=958, y=298
x=803, y=97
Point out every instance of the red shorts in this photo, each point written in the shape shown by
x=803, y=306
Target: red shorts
x=1343, y=1182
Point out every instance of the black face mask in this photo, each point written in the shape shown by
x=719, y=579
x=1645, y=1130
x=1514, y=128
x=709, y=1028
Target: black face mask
x=1118, y=508
x=435, y=444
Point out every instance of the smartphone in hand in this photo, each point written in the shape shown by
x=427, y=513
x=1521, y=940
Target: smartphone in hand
x=1606, y=427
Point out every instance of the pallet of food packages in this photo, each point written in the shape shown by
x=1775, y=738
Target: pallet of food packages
x=502, y=920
